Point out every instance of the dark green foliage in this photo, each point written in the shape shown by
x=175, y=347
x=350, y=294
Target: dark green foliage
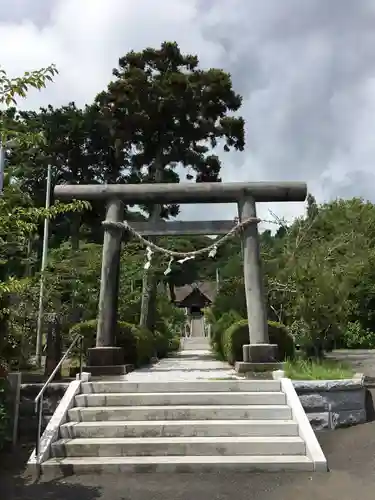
x=219, y=327
x=161, y=345
x=145, y=342
x=238, y=334
x=163, y=103
x=161, y=112
x=169, y=113
x=279, y=334
x=139, y=344
x=355, y=336
x=174, y=344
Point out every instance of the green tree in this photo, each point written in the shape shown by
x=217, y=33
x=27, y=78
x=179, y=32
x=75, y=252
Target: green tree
x=20, y=218
x=11, y=89
x=168, y=112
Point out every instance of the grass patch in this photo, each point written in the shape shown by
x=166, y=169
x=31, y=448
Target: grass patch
x=317, y=370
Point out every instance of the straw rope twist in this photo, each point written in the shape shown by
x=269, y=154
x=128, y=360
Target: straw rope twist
x=125, y=226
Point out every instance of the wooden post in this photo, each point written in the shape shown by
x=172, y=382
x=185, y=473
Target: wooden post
x=106, y=354
x=259, y=350
x=54, y=351
x=14, y=380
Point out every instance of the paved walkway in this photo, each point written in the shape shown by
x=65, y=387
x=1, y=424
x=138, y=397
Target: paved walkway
x=350, y=454
x=184, y=365
x=362, y=360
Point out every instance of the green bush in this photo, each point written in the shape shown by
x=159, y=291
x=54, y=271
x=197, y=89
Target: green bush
x=219, y=327
x=165, y=345
x=174, y=343
x=279, y=334
x=138, y=344
x=161, y=345
x=357, y=337
x=238, y=334
x=312, y=344
x=88, y=330
x=145, y=343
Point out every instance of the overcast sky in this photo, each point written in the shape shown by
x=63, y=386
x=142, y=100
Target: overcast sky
x=306, y=70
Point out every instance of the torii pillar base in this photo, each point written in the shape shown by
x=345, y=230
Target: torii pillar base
x=259, y=358
x=103, y=361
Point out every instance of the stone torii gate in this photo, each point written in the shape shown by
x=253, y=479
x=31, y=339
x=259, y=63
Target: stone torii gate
x=106, y=358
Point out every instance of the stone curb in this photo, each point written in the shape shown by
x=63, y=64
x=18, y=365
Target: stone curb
x=59, y=417
x=332, y=403
x=313, y=448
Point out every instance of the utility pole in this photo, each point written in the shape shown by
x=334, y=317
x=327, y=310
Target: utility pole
x=39, y=332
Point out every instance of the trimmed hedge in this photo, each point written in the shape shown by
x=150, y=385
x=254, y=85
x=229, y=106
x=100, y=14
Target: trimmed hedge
x=139, y=344
x=161, y=345
x=219, y=327
x=238, y=334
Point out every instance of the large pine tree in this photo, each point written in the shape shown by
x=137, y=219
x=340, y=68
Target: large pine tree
x=168, y=112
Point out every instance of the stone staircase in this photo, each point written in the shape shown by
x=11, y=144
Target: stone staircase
x=200, y=425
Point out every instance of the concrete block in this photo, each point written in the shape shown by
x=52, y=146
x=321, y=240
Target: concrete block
x=260, y=353
x=338, y=401
x=347, y=418
x=246, y=367
x=278, y=374
x=85, y=377
x=110, y=370
x=308, y=386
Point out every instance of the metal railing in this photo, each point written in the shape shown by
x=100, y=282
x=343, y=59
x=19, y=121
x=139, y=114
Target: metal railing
x=39, y=399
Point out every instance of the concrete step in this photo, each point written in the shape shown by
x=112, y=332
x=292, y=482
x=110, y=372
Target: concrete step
x=181, y=398
x=182, y=386
x=170, y=428
x=195, y=464
x=152, y=413
x=194, y=355
x=178, y=446
x=195, y=343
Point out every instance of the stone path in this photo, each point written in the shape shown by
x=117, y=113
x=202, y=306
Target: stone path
x=184, y=365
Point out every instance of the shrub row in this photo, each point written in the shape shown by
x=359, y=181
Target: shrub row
x=139, y=344
x=236, y=335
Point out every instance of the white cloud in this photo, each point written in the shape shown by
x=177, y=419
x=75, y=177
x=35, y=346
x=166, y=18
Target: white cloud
x=306, y=71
